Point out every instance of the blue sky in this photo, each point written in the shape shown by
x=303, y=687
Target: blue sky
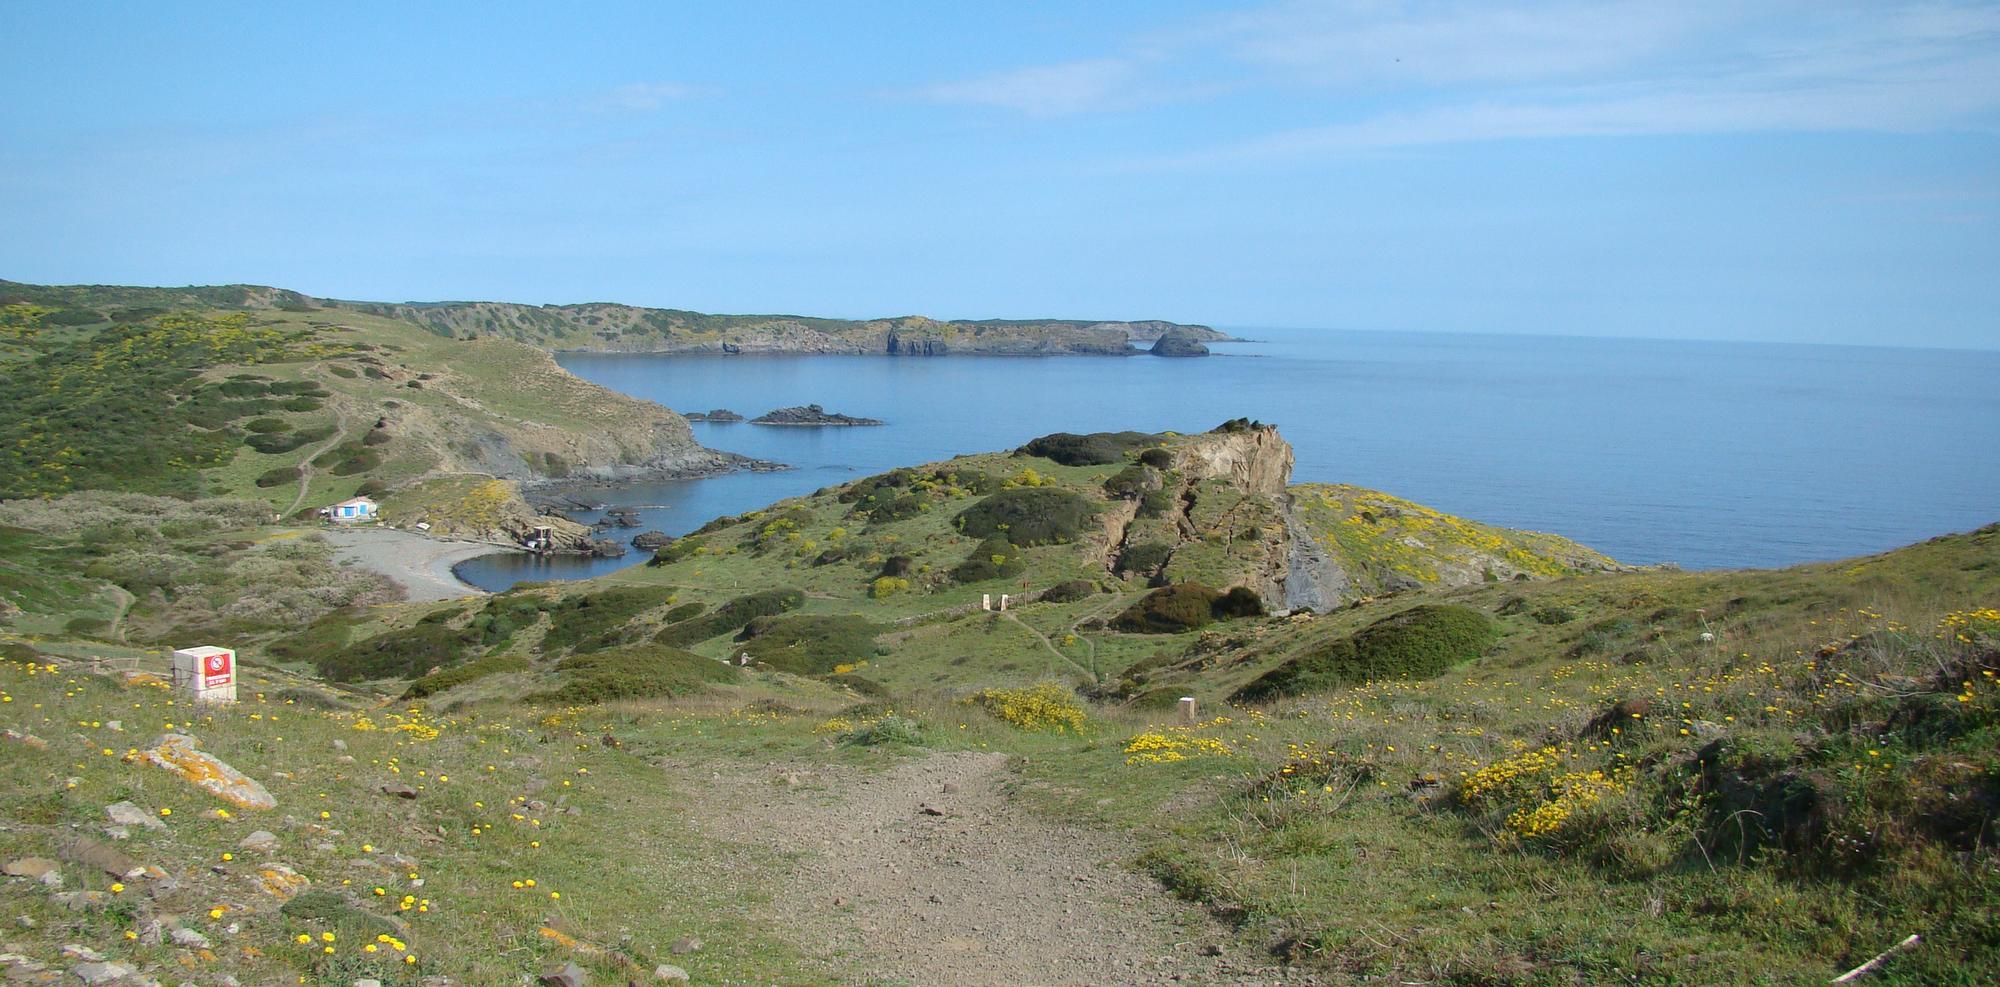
x=1781, y=171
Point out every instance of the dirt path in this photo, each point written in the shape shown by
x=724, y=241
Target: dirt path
x=306, y=466
x=928, y=874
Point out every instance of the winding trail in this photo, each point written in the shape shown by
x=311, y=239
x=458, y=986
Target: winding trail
x=930, y=874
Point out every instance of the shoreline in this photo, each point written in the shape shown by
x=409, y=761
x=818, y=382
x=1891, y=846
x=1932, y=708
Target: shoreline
x=423, y=566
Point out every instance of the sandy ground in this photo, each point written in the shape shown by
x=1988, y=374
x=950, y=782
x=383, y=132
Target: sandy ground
x=928, y=874
x=421, y=565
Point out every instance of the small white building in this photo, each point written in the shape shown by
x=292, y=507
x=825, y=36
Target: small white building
x=353, y=511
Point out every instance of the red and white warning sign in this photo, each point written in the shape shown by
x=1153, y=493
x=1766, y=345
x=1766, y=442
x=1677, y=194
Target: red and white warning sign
x=209, y=674
x=218, y=669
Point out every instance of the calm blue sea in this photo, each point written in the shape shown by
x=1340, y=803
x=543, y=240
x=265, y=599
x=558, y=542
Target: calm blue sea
x=1709, y=455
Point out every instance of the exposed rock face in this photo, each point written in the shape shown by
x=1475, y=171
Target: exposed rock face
x=716, y=415
x=651, y=540
x=182, y=755
x=1250, y=456
x=1179, y=341
x=810, y=414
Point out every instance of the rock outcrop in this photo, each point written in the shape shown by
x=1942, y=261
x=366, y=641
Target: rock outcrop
x=716, y=415
x=810, y=414
x=1179, y=341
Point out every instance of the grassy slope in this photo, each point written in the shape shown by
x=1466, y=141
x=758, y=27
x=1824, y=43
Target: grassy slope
x=1386, y=542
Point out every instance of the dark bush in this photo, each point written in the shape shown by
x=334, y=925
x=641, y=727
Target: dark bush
x=275, y=442
x=1133, y=482
x=730, y=616
x=1420, y=642
x=1069, y=592
x=472, y=671
x=640, y=671
x=1145, y=558
x=301, y=404
x=1554, y=615
x=1156, y=503
x=810, y=645
x=280, y=476
x=898, y=566
x=1094, y=449
x=360, y=462
x=398, y=654
x=1029, y=516
x=1170, y=610
x=376, y=437
x=1159, y=459
x=1240, y=601
x=340, y=371
x=265, y=425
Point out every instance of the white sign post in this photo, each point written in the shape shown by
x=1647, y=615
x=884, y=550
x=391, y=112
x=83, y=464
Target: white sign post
x=207, y=674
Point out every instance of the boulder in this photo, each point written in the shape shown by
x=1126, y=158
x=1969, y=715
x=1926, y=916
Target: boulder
x=810, y=414
x=182, y=755
x=650, y=541
x=1179, y=341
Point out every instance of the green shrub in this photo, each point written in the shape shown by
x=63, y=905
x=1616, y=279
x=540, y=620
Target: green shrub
x=1094, y=449
x=1159, y=459
x=301, y=404
x=730, y=616
x=586, y=622
x=676, y=550
x=1070, y=592
x=1554, y=615
x=360, y=462
x=994, y=558
x=1420, y=642
x=640, y=671
x=1029, y=516
x=280, y=476
x=1047, y=706
x=887, y=586
x=1145, y=558
x=399, y=653
x=276, y=442
x=340, y=371
x=1240, y=601
x=898, y=567
x=452, y=678
x=86, y=626
x=376, y=437
x=265, y=425
x=888, y=730
x=810, y=644
x=1134, y=482
x=1170, y=610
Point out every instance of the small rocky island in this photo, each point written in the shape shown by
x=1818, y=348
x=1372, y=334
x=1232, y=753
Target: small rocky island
x=1179, y=341
x=716, y=415
x=810, y=414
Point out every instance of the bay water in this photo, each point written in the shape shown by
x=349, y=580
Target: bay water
x=1703, y=454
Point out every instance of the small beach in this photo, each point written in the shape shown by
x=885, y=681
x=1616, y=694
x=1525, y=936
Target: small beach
x=421, y=565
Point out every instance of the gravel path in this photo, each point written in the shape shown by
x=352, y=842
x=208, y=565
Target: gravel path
x=928, y=874
x=421, y=565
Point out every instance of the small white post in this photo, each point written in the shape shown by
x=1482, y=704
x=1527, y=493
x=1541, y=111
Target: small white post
x=985, y=601
x=1003, y=601
x=1188, y=715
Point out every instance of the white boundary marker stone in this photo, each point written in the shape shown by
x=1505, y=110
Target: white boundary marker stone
x=208, y=674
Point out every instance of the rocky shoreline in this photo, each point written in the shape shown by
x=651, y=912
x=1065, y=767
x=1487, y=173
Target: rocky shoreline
x=810, y=414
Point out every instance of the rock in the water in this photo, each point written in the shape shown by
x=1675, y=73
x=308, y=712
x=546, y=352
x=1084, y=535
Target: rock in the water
x=603, y=548
x=651, y=540
x=566, y=975
x=810, y=414
x=127, y=814
x=182, y=754
x=261, y=841
x=716, y=415
x=1179, y=341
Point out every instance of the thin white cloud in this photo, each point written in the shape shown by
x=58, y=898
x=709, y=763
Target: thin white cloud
x=641, y=97
x=1046, y=90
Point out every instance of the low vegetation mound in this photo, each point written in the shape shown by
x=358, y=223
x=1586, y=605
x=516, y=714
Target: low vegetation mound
x=729, y=617
x=1093, y=449
x=994, y=558
x=1185, y=607
x=591, y=621
x=1418, y=643
x=1028, y=516
x=639, y=671
x=1047, y=706
x=813, y=644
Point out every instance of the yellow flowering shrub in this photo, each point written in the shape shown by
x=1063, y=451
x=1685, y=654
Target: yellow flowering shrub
x=1173, y=744
x=1047, y=706
x=1543, y=789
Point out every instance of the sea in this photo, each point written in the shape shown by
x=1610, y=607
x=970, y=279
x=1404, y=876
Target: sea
x=1708, y=455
